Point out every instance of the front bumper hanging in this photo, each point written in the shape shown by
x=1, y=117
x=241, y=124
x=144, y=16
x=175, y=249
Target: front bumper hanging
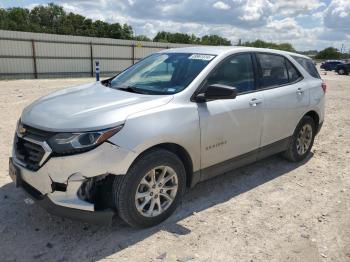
x=104, y=217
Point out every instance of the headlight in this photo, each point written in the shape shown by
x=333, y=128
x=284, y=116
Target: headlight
x=69, y=143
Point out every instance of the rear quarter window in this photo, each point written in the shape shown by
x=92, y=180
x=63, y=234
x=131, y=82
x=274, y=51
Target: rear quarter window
x=308, y=65
x=293, y=73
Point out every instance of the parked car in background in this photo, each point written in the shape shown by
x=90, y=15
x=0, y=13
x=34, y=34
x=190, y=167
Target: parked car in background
x=343, y=69
x=131, y=144
x=330, y=65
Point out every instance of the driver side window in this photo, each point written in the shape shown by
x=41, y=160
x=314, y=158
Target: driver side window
x=237, y=72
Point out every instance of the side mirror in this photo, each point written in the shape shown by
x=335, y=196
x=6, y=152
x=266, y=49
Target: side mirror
x=216, y=92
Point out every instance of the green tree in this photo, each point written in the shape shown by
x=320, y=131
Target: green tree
x=262, y=44
x=168, y=37
x=161, y=37
x=194, y=39
x=127, y=32
x=53, y=19
x=286, y=47
x=329, y=53
x=3, y=18
x=142, y=38
x=48, y=18
x=101, y=28
x=214, y=40
x=17, y=19
x=182, y=38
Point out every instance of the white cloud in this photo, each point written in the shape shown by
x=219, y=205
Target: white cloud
x=285, y=26
x=295, y=7
x=221, y=5
x=337, y=15
x=256, y=10
x=328, y=34
x=30, y=6
x=131, y=2
x=304, y=23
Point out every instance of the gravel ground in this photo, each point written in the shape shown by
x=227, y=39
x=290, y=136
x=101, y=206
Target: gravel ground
x=269, y=211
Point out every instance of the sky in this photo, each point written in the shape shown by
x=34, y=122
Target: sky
x=307, y=24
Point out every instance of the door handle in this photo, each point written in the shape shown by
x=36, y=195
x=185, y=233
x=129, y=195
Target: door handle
x=300, y=91
x=255, y=102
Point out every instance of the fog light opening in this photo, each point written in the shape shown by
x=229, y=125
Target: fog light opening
x=98, y=191
x=58, y=187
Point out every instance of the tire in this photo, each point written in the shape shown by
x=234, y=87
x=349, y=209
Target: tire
x=341, y=72
x=295, y=152
x=126, y=192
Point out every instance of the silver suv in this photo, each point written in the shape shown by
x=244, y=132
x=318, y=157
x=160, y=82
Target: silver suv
x=131, y=144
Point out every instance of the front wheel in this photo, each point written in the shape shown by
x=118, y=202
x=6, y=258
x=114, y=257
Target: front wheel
x=302, y=140
x=151, y=190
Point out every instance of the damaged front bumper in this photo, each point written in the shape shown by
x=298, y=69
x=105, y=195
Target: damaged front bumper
x=56, y=186
x=104, y=217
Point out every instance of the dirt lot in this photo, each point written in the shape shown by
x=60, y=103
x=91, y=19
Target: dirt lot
x=270, y=211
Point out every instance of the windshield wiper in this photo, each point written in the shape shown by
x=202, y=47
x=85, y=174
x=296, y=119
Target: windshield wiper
x=107, y=82
x=131, y=89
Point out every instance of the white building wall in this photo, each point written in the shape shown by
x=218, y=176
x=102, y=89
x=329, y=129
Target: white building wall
x=30, y=55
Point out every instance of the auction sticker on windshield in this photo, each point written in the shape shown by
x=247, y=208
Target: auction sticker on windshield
x=201, y=57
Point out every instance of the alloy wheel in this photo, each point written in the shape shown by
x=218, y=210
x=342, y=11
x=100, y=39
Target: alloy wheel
x=304, y=139
x=156, y=191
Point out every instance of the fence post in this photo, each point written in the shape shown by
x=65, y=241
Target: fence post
x=97, y=71
x=34, y=60
x=133, y=53
x=92, y=59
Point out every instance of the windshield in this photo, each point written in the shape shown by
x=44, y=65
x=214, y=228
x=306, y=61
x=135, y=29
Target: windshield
x=162, y=73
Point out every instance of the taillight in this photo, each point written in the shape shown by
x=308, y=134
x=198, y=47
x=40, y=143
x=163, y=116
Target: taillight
x=324, y=87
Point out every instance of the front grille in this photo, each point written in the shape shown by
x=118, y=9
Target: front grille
x=37, y=134
x=29, y=153
x=28, y=147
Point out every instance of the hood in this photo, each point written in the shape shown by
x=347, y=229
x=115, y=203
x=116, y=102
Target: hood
x=87, y=107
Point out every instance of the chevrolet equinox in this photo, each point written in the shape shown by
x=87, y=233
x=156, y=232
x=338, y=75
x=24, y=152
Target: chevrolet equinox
x=131, y=144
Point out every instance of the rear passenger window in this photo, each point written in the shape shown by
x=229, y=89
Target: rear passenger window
x=237, y=72
x=293, y=73
x=273, y=70
x=308, y=65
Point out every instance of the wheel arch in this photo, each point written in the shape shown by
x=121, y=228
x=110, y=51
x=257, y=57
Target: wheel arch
x=314, y=115
x=180, y=152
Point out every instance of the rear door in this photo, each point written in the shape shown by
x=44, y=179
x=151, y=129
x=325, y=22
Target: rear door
x=285, y=96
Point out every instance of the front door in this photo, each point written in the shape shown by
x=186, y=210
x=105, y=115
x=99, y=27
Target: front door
x=230, y=128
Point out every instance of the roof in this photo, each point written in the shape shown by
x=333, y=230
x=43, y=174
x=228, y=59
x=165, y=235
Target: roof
x=220, y=50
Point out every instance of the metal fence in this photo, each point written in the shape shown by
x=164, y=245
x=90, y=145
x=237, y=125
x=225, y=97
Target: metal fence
x=36, y=55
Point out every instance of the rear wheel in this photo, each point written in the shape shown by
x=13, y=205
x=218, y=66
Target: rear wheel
x=151, y=190
x=302, y=140
x=341, y=71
